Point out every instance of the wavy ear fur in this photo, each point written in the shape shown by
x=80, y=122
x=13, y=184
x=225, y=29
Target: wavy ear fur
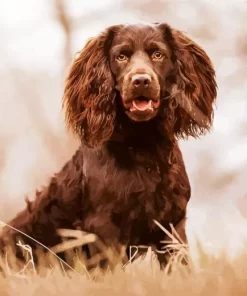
x=192, y=86
x=89, y=96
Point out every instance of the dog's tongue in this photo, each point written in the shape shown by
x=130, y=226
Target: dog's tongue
x=142, y=105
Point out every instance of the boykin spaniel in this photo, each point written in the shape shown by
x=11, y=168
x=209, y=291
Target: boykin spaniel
x=130, y=95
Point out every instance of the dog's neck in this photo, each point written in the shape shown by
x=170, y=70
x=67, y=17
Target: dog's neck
x=139, y=133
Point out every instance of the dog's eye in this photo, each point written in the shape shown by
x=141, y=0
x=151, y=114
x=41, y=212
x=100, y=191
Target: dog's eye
x=157, y=55
x=121, y=57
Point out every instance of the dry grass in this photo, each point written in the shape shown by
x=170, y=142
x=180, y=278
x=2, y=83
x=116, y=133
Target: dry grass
x=210, y=276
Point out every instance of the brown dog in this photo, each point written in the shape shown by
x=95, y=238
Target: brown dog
x=130, y=94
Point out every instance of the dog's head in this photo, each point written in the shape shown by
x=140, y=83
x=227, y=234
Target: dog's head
x=140, y=61
x=154, y=70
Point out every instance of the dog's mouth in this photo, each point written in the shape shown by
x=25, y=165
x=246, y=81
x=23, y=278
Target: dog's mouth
x=143, y=104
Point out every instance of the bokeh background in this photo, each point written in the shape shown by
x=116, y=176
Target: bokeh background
x=38, y=40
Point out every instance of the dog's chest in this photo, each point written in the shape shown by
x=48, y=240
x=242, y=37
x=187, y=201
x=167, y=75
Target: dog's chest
x=125, y=181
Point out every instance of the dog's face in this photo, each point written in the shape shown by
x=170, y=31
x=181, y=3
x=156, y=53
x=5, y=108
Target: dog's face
x=152, y=71
x=140, y=61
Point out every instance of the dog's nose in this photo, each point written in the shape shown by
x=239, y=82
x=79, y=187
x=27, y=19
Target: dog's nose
x=141, y=80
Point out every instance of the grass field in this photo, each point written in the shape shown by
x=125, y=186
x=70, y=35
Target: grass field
x=207, y=276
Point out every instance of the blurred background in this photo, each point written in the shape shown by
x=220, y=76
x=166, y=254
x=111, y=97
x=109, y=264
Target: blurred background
x=38, y=41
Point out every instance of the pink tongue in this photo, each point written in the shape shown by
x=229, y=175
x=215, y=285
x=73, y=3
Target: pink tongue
x=141, y=105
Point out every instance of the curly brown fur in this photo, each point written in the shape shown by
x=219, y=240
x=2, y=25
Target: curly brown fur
x=89, y=97
x=130, y=93
x=190, y=103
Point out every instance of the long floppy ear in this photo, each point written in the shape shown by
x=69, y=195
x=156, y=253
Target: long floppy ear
x=192, y=86
x=89, y=96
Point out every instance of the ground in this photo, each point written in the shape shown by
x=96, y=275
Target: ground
x=207, y=276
